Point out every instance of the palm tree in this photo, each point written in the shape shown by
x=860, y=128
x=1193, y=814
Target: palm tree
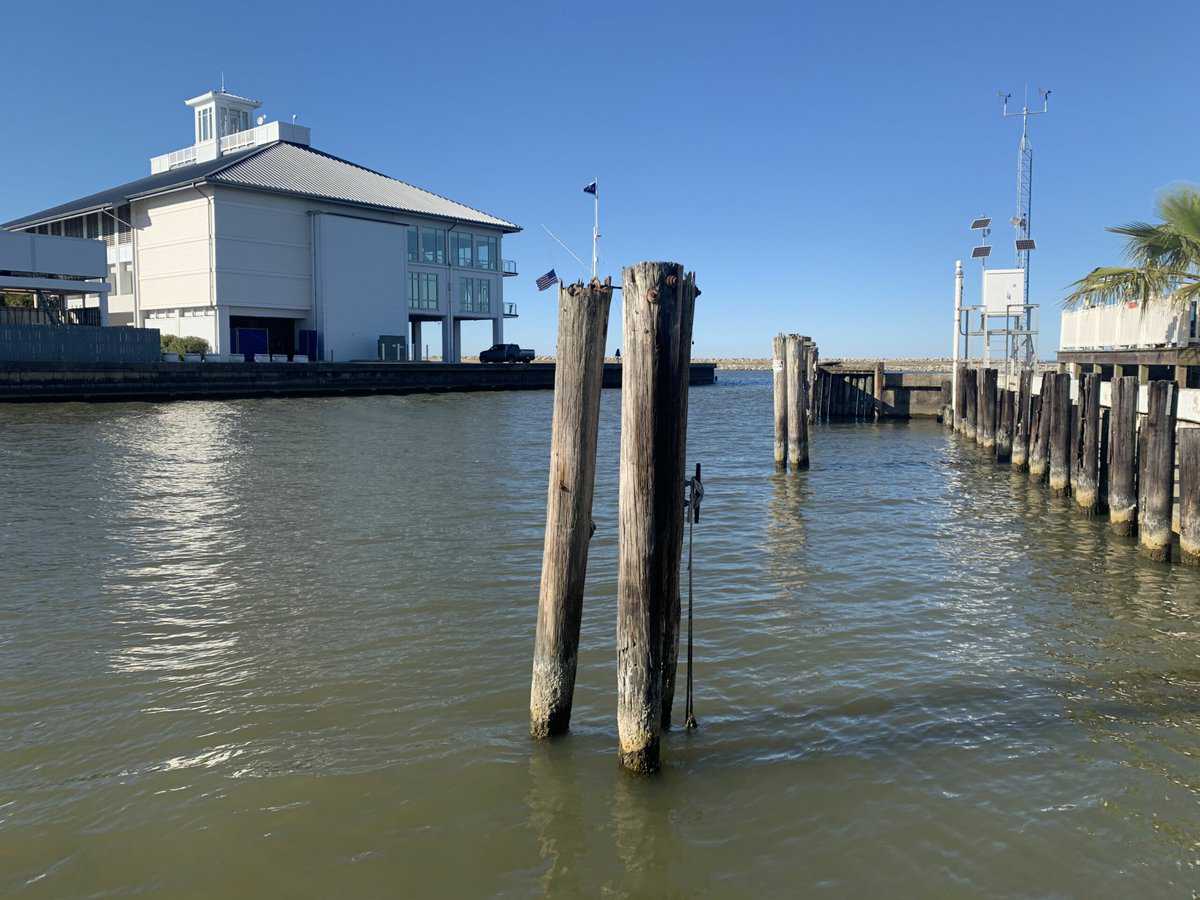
x=1164, y=258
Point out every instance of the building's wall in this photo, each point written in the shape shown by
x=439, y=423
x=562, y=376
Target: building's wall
x=173, y=262
x=263, y=251
x=360, y=285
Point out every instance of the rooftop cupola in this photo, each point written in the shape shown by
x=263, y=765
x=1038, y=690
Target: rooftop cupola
x=226, y=123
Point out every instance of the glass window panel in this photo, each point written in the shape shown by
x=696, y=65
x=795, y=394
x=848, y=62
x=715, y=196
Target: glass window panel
x=412, y=245
x=485, y=252
x=482, y=295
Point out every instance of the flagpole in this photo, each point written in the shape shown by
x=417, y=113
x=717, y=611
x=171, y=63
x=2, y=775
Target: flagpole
x=596, y=227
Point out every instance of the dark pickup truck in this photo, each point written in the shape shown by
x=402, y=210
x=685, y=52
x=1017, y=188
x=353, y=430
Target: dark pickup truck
x=506, y=353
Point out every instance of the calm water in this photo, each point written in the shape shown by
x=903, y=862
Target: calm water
x=282, y=648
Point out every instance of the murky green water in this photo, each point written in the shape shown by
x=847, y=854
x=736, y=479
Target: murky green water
x=281, y=648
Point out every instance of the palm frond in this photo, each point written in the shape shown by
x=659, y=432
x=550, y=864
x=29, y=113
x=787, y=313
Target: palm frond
x=1114, y=284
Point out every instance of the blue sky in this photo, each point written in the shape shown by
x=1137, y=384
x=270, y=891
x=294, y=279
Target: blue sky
x=817, y=165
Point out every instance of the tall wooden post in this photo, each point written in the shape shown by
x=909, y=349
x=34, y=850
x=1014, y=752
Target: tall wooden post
x=1156, y=472
x=1122, y=456
x=780, y=385
x=985, y=428
x=1039, y=441
x=797, y=404
x=658, y=304
x=1060, y=435
x=877, y=385
x=972, y=401
x=1086, y=487
x=1189, y=495
x=1020, y=434
x=1004, y=426
x=578, y=376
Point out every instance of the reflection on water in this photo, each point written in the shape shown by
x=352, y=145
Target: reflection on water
x=293, y=637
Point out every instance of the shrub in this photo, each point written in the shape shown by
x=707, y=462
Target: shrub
x=170, y=343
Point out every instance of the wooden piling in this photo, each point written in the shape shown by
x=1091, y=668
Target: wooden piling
x=582, y=330
x=985, y=427
x=797, y=404
x=1086, y=486
x=1039, y=440
x=1156, y=472
x=658, y=305
x=1020, y=432
x=1060, y=435
x=971, y=398
x=1189, y=495
x=1004, y=426
x=1122, y=456
x=779, y=370
x=877, y=384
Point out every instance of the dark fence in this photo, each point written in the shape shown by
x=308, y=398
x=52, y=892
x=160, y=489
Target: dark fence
x=78, y=344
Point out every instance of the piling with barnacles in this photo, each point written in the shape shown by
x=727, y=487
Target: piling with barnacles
x=1122, y=456
x=1189, y=495
x=1086, y=485
x=797, y=401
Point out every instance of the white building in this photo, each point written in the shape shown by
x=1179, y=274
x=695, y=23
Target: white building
x=65, y=275
x=251, y=238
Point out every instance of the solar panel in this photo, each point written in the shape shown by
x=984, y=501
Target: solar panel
x=981, y=252
x=1025, y=244
x=981, y=223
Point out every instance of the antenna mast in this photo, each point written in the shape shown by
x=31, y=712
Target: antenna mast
x=1021, y=221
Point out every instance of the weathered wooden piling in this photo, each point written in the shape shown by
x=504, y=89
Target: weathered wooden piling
x=1039, y=439
x=797, y=405
x=582, y=330
x=971, y=400
x=985, y=427
x=1060, y=435
x=1122, y=456
x=1156, y=472
x=1086, y=484
x=1004, y=426
x=1189, y=495
x=878, y=380
x=658, y=305
x=1020, y=432
x=780, y=386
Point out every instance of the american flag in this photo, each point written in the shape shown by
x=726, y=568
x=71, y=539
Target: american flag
x=547, y=280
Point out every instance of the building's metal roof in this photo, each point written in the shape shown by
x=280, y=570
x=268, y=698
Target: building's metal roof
x=292, y=169
x=286, y=169
x=123, y=193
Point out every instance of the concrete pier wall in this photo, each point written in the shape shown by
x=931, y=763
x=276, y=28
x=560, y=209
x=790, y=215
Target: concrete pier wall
x=56, y=382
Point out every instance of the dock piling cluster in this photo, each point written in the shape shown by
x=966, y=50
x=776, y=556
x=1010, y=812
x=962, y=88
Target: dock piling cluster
x=1110, y=459
x=793, y=363
x=659, y=303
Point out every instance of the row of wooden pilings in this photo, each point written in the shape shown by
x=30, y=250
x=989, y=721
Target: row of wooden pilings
x=658, y=302
x=854, y=395
x=1106, y=459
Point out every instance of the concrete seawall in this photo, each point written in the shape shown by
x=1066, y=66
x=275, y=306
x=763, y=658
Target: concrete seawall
x=92, y=382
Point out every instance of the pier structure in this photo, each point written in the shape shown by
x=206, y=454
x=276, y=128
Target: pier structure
x=1121, y=447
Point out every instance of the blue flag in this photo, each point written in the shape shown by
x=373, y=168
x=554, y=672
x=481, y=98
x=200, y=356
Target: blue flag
x=590, y=189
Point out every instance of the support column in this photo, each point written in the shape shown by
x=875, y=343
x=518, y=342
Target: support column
x=498, y=330
x=447, y=339
x=417, y=346
x=224, y=337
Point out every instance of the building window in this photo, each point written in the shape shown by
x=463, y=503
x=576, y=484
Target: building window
x=414, y=253
x=460, y=247
x=486, y=252
x=204, y=124
x=433, y=246
x=422, y=290
x=73, y=228
x=93, y=225
x=474, y=295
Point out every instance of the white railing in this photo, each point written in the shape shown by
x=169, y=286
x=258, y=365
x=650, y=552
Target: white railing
x=1118, y=325
x=251, y=137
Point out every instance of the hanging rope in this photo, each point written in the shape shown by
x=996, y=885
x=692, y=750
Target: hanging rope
x=695, y=495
